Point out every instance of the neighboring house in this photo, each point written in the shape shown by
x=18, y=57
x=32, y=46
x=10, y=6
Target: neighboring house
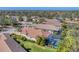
x=34, y=32
x=24, y=18
x=7, y=16
x=49, y=25
x=53, y=22
x=0, y=26
x=18, y=18
x=15, y=18
x=7, y=44
x=36, y=19
x=76, y=19
x=46, y=27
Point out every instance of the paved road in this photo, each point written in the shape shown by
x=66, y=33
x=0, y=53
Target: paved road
x=9, y=30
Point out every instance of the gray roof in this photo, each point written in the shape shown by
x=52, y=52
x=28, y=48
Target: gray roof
x=13, y=45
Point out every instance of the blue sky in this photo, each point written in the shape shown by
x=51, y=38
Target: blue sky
x=40, y=8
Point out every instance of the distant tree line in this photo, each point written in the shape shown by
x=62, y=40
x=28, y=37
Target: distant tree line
x=47, y=14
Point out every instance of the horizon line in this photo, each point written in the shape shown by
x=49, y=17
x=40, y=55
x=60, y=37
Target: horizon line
x=41, y=8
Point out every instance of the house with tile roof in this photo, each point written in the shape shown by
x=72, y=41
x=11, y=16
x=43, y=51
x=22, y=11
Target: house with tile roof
x=34, y=32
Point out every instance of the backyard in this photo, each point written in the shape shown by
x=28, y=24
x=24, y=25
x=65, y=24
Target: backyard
x=31, y=46
x=37, y=48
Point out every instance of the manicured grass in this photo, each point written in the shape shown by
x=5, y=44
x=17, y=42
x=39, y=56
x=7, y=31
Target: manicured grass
x=31, y=46
x=36, y=48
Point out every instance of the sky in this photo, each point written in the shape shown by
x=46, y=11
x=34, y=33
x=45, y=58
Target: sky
x=40, y=8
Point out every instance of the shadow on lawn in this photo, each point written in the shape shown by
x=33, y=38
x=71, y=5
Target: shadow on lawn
x=27, y=49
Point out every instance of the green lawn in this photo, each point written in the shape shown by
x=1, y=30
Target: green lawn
x=36, y=48
x=31, y=46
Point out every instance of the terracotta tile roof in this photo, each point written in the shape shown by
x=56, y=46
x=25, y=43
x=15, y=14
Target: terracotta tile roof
x=54, y=22
x=46, y=27
x=2, y=37
x=34, y=32
x=3, y=46
x=46, y=33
